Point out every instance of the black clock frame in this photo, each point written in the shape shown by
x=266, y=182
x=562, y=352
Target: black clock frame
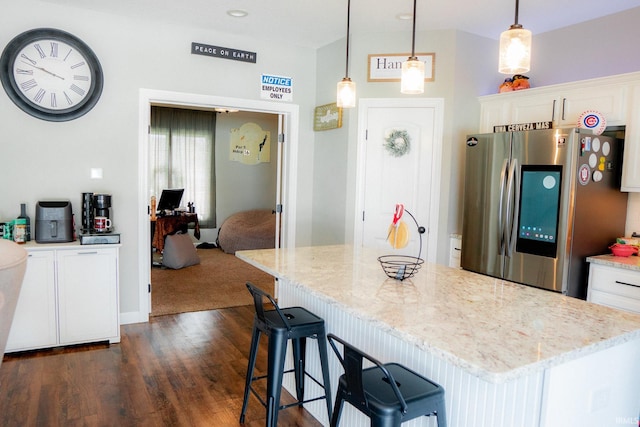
x=7, y=60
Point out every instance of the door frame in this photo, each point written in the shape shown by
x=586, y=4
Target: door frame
x=436, y=163
x=288, y=123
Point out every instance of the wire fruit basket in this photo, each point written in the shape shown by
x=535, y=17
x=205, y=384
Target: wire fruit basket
x=401, y=267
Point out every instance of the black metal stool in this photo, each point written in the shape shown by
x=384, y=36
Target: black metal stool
x=281, y=325
x=389, y=394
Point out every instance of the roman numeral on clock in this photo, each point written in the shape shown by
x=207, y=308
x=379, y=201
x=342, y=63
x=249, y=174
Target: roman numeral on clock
x=40, y=51
x=29, y=84
x=77, y=90
x=54, y=50
x=39, y=96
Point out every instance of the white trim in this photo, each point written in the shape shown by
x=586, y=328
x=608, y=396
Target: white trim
x=147, y=97
x=436, y=163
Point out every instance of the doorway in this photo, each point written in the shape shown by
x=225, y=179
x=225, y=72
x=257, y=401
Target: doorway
x=399, y=161
x=287, y=130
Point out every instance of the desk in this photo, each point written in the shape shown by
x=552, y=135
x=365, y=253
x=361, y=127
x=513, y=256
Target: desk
x=165, y=225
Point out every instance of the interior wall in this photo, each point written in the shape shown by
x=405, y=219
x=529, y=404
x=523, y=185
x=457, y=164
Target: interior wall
x=53, y=160
x=241, y=187
x=451, y=49
x=598, y=48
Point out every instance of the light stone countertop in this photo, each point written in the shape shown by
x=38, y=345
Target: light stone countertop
x=494, y=329
x=627, y=263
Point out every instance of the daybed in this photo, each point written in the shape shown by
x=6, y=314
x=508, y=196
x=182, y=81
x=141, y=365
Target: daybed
x=254, y=229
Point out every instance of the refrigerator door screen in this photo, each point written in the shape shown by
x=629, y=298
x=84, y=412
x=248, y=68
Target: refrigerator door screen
x=539, y=209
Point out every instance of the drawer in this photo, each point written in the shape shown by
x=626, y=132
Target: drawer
x=615, y=281
x=614, y=301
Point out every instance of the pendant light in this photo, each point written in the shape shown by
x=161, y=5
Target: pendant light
x=346, y=94
x=412, y=81
x=515, y=49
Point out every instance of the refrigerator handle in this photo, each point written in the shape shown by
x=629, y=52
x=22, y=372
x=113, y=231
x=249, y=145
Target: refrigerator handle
x=501, y=207
x=513, y=201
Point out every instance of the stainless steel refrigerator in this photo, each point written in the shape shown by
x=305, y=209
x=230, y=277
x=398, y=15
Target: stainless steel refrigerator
x=537, y=203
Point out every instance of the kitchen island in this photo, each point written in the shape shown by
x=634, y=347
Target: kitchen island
x=506, y=354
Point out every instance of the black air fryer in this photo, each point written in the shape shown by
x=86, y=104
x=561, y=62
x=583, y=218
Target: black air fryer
x=54, y=222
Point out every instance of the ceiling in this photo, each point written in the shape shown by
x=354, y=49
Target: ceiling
x=315, y=23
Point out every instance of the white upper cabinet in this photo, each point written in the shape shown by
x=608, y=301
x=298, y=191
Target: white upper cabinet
x=631, y=164
x=617, y=98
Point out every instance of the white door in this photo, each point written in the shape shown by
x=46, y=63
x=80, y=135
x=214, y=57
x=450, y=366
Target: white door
x=399, y=155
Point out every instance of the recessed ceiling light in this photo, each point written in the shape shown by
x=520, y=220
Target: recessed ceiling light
x=237, y=13
x=404, y=16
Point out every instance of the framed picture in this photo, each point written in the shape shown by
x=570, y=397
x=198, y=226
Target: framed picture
x=387, y=67
x=327, y=117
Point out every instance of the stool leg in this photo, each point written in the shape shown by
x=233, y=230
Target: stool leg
x=299, y=354
x=392, y=420
x=275, y=371
x=337, y=410
x=255, y=340
x=324, y=363
x=441, y=414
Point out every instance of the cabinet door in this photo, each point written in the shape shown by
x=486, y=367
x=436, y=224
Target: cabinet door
x=528, y=108
x=34, y=323
x=455, y=247
x=494, y=113
x=609, y=100
x=88, y=295
x=630, y=169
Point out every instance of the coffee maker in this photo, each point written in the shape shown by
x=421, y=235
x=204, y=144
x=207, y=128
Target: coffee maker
x=102, y=208
x=95, y=205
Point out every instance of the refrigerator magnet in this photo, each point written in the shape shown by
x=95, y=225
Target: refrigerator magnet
x=584, y=174
x=593, y=120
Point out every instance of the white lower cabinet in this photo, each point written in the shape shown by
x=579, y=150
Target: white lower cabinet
x=455, y=249
x=35, y=319
x=614, y=287
x=69, y=296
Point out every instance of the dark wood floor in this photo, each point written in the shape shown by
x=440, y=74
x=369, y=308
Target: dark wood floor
x=176, y=370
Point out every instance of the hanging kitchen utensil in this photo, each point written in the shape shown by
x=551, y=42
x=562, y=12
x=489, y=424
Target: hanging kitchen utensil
x=398, y=235
x=401, y=267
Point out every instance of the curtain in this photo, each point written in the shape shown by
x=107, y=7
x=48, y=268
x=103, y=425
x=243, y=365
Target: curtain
x=182, y=155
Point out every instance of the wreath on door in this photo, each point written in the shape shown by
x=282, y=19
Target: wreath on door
x=398, y=143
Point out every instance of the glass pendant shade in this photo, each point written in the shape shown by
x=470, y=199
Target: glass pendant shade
x=515, y=50
x=412, y=80
x=346, y=95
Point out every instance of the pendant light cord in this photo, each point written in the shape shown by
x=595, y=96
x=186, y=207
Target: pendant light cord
x=346, y=71
x=413, y=39
x=517, y=6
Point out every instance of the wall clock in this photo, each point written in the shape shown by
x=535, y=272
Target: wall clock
x=51, y=74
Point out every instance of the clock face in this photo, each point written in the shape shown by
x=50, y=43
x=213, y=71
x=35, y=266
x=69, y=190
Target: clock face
x=51, y=74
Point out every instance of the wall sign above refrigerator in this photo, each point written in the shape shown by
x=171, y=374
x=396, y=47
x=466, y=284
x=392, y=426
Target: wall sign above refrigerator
x=523, y=127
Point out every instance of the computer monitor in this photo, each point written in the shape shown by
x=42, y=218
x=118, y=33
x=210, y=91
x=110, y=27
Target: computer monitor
x=170, y=199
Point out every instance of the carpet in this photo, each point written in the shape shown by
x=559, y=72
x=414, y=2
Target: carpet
x=217, y=282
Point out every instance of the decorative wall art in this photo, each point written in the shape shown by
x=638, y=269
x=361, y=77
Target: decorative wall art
x=387, y=67
x=250, y=144
x=397, y=142
x=327, y=117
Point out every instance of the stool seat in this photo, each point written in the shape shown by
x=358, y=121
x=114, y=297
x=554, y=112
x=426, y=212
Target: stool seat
x=281, y=325
x=389, y=394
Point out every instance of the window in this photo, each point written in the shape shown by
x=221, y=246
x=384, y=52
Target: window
x=182, y=155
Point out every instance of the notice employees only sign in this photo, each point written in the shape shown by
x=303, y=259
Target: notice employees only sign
x=276, y=88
